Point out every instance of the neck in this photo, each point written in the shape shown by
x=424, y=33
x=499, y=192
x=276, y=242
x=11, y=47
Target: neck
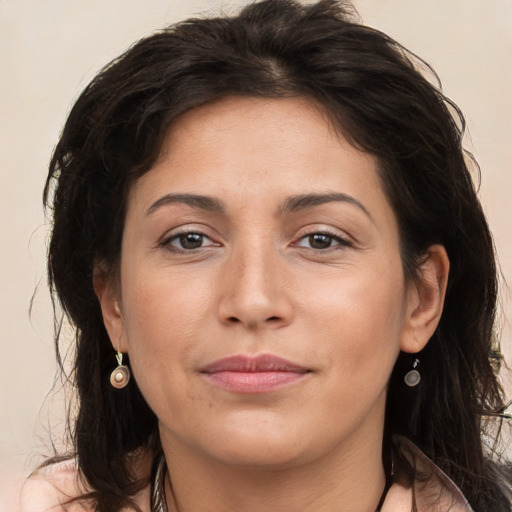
x=350, y=477
x=275, y=491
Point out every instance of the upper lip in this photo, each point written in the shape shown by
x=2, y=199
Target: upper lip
x=260, y=363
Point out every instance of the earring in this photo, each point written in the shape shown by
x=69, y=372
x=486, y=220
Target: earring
x=120, y=377
x=412, y=378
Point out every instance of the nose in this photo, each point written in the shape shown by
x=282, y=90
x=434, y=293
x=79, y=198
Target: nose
x=254, y=290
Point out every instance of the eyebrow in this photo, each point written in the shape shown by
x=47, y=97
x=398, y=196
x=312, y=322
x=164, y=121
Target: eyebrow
x=304, y=201
x=292, y=204
x=207, y=203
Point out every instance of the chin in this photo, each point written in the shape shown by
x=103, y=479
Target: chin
x=266, y=444
x=261, y=454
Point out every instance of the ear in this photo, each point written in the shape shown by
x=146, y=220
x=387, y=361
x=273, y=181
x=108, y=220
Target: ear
x=107, y=291
x=425, y=300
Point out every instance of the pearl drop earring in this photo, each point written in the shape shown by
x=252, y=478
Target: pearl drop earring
x=412, y=378
x=120, y=377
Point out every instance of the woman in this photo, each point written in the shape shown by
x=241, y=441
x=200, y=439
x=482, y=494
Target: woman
x=281, y=278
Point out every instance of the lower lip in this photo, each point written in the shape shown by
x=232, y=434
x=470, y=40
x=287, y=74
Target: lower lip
x=253, y=382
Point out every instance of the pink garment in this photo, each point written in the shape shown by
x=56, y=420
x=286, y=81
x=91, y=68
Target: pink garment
x=436, y=493
x=50, y=488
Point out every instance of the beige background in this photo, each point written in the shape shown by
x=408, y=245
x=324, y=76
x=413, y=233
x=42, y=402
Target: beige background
x=50, y=49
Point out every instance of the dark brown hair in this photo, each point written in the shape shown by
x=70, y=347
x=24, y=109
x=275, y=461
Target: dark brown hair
x=373, y=91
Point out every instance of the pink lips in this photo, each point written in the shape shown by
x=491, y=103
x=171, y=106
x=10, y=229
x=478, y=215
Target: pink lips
x=246, y=374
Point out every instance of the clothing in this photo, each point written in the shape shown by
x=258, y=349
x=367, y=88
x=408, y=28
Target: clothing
x=51, y=487
x=433, y=490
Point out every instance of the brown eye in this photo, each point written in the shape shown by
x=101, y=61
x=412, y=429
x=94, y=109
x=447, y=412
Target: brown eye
x=191, y=240
x=186, y=241
x=319, y=241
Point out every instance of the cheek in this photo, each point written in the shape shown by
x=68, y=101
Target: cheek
x=362, y=319
x=163, y=313
x=160, y=304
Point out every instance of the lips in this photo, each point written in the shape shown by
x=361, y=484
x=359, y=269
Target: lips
x=246, y=374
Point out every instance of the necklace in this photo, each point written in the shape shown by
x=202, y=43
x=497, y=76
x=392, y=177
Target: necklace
x=159, y=503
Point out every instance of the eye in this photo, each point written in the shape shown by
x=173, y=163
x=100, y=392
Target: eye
x=319, y=241
x=187, y=241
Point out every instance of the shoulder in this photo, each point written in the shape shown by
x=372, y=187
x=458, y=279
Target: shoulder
x=398, y=499
x=57, y=487
x=432, y=490
x=53, y=488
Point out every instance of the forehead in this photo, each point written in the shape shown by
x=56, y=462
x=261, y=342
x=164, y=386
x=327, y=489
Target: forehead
x=252, y=126
x=248, y=114
x=259, y=150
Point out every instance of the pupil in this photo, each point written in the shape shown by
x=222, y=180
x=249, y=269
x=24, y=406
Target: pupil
x=191, y=241
x=320, y=241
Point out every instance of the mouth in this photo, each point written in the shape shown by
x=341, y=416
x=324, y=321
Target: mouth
x=253, y=374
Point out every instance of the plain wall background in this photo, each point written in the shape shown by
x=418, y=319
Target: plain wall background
x=50, y=49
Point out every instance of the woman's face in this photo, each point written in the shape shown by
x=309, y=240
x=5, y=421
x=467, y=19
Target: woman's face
x=262, y=296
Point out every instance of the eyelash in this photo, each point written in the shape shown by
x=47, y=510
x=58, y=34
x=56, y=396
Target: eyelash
x=167, y=242
x=340, y=241
x=333, y=237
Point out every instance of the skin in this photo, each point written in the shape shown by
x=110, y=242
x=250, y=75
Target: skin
x=258, y=283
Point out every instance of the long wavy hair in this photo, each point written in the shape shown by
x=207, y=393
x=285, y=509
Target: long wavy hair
x=376, y=93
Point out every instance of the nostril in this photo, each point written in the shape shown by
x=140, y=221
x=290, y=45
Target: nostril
x=272, y=319
x=233, y=319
